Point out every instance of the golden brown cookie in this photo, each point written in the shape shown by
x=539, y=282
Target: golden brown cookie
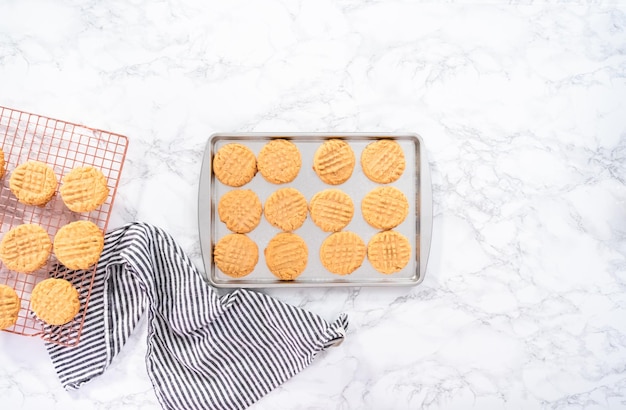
x=331, y=209
x=55, y=301
x=389, y=251
x=334, y=161
x=33, y=183
x=383, y=161
x=25, y=248
x=240, y=210
x=342, y=252
x=286, y=209
x=78, y=244
x=286, y=255
x=234, y=164
x=84, y=189
x=279, y=161
x=9, y=306
x=385, y=207
x=2, y=164
x=236, y=255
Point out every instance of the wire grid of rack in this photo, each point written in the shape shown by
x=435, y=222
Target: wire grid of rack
x=63, y=146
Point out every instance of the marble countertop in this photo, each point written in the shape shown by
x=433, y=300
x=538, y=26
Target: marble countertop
x=522, y=110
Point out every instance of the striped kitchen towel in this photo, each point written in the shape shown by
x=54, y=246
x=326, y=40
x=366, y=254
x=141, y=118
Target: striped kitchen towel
x=204, y=351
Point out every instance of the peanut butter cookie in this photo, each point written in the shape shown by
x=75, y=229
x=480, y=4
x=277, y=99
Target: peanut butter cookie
x=389, y=251
x=55, y=301
x=2, y=164
x=286, y=255
x=33, y=183
x=342, y=252
x=385, y=207
x=236, y=255
x=25, y=248
x=78, y=245
x=383, y=161
x=9, y=306
x=279, y=161
x=331, y=209
x=286, y=209
x=240, y=210
x=234, y=165
x=84, y=189
x=334, y=161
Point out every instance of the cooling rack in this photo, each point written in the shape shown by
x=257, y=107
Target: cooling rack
x=63, y=146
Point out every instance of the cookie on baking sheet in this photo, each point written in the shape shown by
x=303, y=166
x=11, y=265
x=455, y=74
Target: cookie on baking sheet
x=25, y=248
x=286, y=255
x=342, y=252
x=84, y=189
x=279, y=161
x=236, y=255
x=240, y=210
x=2, y=163
x=234, y=165
x=55, y=301
x=33, y=183
x=389, y=251
x=286, y=209
x=9, y=306
x=78, y=244
x=331, y=209
x=385, y=207
x=334, y=161
x=383, y=161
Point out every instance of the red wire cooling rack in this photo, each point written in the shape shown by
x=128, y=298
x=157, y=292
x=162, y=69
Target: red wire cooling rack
x=63, y=146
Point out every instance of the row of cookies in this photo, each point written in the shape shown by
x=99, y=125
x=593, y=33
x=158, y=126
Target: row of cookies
x=279, y=162
x=83, y=189
x=286, y=254
x=27, y=247
x=54, y=301
x=331, y=209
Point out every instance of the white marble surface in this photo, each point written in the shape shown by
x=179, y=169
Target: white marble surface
x=522, y=107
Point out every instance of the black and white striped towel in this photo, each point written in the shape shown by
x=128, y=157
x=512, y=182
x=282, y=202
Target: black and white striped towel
x=204, y=351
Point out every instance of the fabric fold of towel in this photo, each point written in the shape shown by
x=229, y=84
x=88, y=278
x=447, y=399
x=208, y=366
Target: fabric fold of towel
x=204, y=351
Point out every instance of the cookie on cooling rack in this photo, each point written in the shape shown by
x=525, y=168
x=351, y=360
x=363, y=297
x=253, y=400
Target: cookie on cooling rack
x=331, y=209
x=334, y=161
x=286, y=255
x=55, y=301
x=279, y=161
x=9, y=306
x=236, y=255
x=385, y=207
x=383, y=161
x=78, y=244
x=234, y=165
x=240, y=210
x=342, y=252
x=389, y=251
x=33, y=183
x=84, y=189
x=25, y=248
x=286, y=209
x=2, y=163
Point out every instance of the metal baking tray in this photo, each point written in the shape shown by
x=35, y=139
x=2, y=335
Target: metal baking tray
x=417, y=227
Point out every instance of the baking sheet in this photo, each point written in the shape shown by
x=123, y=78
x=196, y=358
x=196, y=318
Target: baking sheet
x=414, y=182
